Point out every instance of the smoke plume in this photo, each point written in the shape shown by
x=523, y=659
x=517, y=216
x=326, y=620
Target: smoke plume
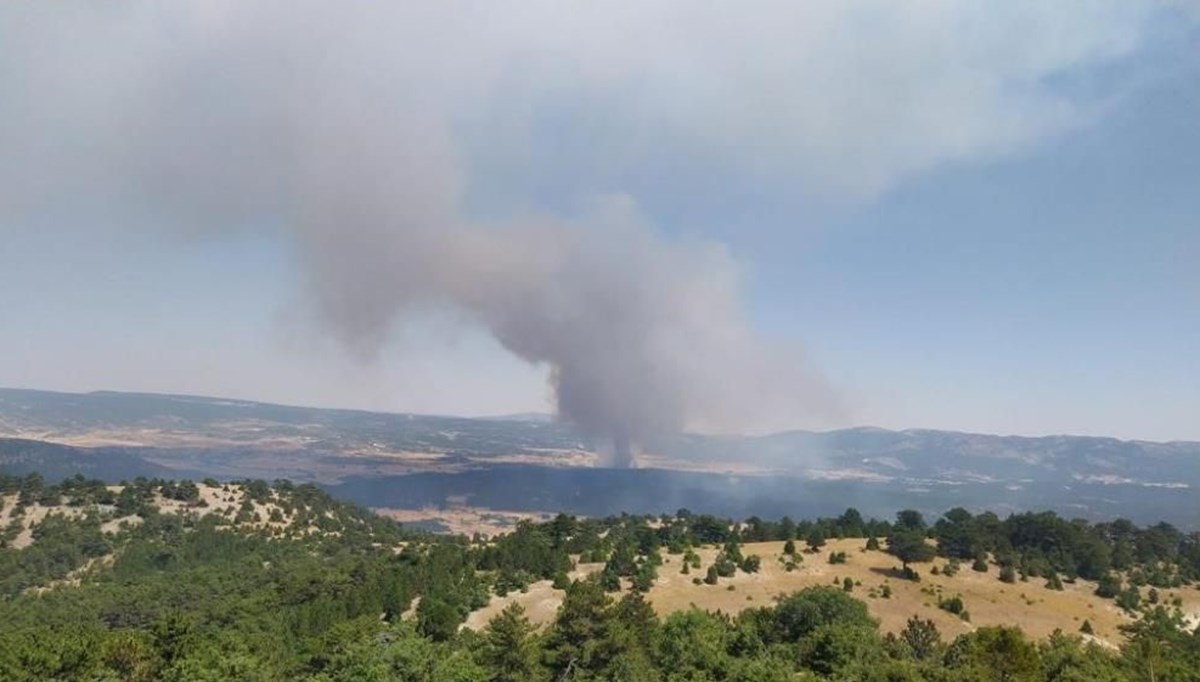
x=226, y=116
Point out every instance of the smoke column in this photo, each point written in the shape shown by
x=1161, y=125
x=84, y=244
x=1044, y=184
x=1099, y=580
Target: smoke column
x=211, y=116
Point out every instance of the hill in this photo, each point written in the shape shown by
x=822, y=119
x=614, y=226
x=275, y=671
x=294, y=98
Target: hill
x=171, y=580
x=409, y=461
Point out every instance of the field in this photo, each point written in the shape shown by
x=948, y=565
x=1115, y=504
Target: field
x=1036, y=609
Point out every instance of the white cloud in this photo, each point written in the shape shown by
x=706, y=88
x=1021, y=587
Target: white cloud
x=845, y=96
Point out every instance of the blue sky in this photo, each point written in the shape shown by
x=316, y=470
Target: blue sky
x=998, y=236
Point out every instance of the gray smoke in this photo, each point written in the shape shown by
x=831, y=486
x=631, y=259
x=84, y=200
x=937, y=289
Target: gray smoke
x=206, y=119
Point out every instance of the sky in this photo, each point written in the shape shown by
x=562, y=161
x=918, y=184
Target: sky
x=957, y=215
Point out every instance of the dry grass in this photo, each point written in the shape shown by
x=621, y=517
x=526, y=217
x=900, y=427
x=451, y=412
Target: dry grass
x=1037, y=610
x=541, y=601
x=1031, y=606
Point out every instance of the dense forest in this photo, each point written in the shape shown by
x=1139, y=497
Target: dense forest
x=165, y=580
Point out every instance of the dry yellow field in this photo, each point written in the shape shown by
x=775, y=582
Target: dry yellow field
x=1037, y=610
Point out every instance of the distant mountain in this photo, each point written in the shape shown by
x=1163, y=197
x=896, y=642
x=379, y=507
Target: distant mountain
x=405, y=460
x=53, y=461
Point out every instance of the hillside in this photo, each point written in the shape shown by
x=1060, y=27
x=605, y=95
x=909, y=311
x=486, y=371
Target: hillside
x=182, y=581
x=1029, y=605
x=413, y=461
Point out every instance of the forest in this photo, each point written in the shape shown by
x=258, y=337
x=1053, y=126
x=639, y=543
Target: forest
x=315, y=589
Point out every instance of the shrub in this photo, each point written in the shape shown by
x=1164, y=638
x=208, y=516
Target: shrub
x=952, y=605
x=1129, y=599
x=751, y=564
x=1108, y=587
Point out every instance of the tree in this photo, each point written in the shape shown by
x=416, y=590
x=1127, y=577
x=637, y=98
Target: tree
x=580, y=628
x=921, y=639
x=508, y=651
x=1109, y=586
x=437, y=618
x=957, y=535
x=799, y=614
x=909, y=547
x=1001, y=654
x=787, y=528
x=907, y=539
x=851, y=523
x=1008, y=574
x=816, y=538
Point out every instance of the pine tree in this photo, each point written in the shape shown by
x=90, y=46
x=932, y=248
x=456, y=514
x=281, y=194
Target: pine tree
x=508, y=650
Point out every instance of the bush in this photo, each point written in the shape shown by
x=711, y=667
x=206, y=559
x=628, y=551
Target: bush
x=952, y=605
x=1008, y=574
x=710, y=577
x=837, y=557
x=724, y=566
x=561, y=581
x=980, y=564
x=847, y=585
x=1129, y=599
x=1108, y=587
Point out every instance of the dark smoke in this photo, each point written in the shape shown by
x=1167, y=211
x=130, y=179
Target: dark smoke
x=263, y=116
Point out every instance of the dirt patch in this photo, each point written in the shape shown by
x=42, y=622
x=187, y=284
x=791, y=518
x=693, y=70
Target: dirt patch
x=463, y=520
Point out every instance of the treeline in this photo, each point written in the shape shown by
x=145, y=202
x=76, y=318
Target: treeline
x=1119, y=555
x=817, y=633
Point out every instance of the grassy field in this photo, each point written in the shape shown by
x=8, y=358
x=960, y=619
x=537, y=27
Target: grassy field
x=1036, y=609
